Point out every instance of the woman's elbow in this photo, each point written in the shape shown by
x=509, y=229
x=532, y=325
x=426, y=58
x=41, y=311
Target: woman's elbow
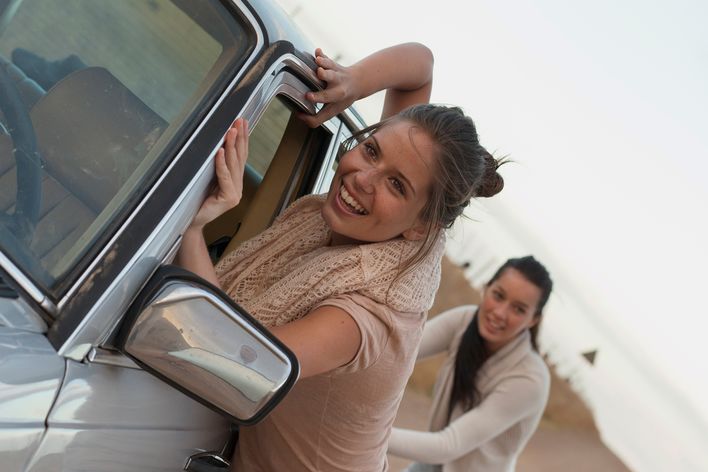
x=427, y=59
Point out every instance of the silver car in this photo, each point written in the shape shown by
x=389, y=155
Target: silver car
x=110, y=115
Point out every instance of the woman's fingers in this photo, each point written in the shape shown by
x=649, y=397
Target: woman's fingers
x=339, y=93
x=242, y=145
x=236, y=146
x=327, y=75
x=327, y=112
x=227, y=191
x=326, y=63
x=233, y=155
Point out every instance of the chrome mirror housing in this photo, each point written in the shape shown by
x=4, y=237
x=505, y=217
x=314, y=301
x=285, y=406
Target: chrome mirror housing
x=191, y=335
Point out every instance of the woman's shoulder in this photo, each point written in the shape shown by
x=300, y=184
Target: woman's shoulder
x=534, y=368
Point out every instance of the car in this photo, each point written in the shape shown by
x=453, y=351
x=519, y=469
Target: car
x=111, y=358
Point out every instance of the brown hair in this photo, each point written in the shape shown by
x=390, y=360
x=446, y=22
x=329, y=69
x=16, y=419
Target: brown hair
x=463, y=168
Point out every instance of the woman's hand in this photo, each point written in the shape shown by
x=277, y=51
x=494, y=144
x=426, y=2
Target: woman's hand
x=229, y=164
x=405, y=71
x=342, y=90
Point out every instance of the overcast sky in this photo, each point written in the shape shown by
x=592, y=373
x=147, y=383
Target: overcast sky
x=603, y=106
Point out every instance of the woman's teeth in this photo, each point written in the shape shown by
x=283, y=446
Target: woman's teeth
x=495, y=326
x=351, y=203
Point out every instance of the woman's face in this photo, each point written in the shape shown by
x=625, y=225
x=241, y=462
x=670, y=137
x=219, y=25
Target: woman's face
x=508, y=307
x=381, y=186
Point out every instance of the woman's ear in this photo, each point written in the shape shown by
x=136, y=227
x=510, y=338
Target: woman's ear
x=535, y=320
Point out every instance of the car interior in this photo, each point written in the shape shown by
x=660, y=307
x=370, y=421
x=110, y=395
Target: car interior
x=76, y=185
x=282, y=157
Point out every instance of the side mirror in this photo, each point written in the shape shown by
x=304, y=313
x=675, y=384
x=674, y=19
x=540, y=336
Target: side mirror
x=194, y=337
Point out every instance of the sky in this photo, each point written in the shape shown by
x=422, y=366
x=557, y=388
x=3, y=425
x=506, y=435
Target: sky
x=603, y=109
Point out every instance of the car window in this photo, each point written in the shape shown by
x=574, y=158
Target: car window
x=284, y=156
x=109, y=89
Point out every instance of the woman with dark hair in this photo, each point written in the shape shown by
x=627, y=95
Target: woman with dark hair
x=493, y=386
x=345, y=279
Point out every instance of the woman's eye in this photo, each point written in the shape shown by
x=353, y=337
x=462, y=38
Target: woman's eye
x=497, y=295
x=520, y=310
x=398, y=186
x=370, y=150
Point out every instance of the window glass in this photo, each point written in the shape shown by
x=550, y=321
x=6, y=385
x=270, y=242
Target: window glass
x=264, y=141
x=108, y=88
x=266, y=137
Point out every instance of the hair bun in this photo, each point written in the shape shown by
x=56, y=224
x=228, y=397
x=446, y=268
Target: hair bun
x=492, y=182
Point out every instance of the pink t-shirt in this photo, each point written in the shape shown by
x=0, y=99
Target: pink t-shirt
x=341, y=420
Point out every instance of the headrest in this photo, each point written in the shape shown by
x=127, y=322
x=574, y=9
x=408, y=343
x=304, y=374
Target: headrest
x=92, y=133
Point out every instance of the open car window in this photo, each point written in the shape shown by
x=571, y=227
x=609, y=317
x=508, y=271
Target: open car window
x=95, y=98
x=285, y=157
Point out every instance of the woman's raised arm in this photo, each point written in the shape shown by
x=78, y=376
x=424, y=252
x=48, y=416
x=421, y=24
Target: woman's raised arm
x=229, y=164
x=405, y=71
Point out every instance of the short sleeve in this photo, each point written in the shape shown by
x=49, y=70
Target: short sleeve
x=374, y=322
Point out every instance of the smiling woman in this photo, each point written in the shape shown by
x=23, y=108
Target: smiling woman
x=345, y=279
x=493, y=385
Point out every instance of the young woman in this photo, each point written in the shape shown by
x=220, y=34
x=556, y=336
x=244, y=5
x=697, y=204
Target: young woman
x=345, y=279
x=493, y=386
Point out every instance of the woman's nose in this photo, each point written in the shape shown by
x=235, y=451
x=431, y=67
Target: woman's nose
x=501, y=311
x=365, y=180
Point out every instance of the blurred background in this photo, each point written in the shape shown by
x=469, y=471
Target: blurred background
x=603, y=109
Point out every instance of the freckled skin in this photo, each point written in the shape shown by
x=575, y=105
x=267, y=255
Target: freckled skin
x=508, y=307
x=371, y=174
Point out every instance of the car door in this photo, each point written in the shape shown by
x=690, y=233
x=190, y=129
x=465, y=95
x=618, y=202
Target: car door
x=108, y=411
x=123, y=147
x=108, y=227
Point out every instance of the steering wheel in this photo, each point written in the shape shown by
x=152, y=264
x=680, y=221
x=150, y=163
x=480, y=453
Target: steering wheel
x=29, y=176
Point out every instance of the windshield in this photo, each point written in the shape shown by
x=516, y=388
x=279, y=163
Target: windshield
x=94, y=97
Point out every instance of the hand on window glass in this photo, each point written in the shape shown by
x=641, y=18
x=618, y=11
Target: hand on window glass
x=229, y=163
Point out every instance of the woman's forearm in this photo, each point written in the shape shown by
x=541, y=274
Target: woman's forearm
x=404, y=67
x=194, y=256
x=405, y=71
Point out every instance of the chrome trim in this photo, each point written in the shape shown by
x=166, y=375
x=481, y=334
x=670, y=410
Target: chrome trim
x=251, y=110
x=284, y=83
x=24, y=282
x=291, y=60
x=256, y=50
x=209, y=349
x=181, y=291
x=354, y=121
x=324, y=176
x=99, y=355
x=210, y=457
x=170, y=256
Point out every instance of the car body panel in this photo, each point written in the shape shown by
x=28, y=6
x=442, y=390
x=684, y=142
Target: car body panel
x=30, y=376
x=102, y=411
x=16, y=313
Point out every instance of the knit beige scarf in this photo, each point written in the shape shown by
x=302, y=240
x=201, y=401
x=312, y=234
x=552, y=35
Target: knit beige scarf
x=279, y=275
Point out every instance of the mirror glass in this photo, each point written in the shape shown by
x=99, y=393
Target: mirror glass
x=202, y=345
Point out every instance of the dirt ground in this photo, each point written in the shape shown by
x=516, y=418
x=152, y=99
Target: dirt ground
x=566, y=439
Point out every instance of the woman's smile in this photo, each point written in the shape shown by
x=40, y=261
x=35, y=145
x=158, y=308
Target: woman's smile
x=494, y=326
x=349, y=203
